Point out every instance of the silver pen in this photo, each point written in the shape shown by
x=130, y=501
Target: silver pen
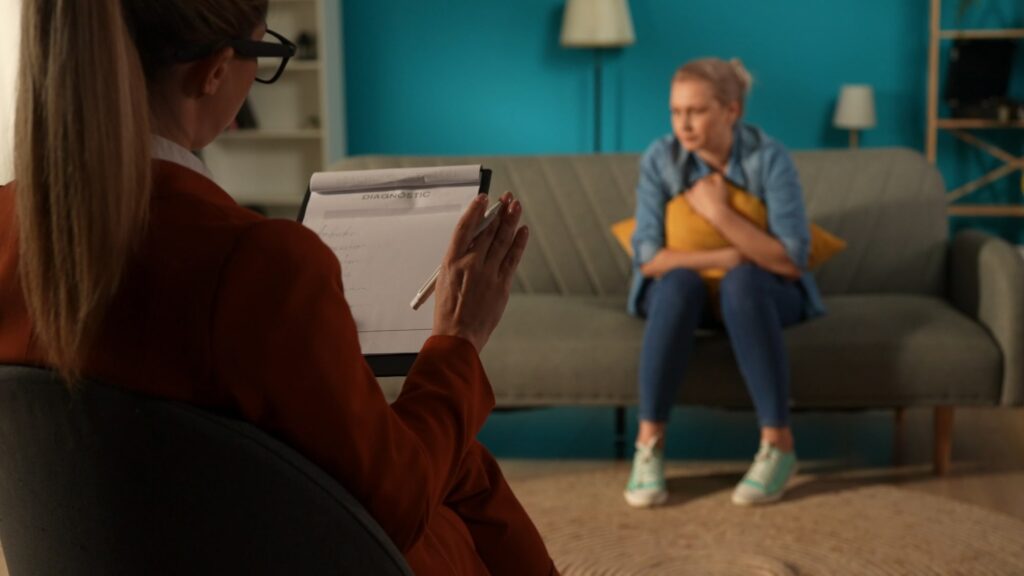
x=428, y=287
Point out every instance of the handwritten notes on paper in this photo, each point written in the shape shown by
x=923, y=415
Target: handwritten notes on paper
x=389, y=230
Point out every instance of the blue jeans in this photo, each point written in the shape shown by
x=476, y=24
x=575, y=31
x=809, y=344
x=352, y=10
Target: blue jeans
x=756, y=305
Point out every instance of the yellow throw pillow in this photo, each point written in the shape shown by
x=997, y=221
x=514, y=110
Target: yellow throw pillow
x=688, y=231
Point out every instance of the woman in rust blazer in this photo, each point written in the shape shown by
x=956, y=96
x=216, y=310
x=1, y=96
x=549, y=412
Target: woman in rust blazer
x=121, y=260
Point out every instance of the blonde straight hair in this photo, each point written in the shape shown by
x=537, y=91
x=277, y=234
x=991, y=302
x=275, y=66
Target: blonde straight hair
x=82, y=159
x=82, y=166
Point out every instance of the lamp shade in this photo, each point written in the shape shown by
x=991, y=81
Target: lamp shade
x=597, y=24
x=856, y=107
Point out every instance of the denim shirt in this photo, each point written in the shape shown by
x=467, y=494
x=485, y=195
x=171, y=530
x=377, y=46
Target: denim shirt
x=759, y=164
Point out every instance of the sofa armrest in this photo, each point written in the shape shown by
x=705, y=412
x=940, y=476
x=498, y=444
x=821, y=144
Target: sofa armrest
x=987, y=284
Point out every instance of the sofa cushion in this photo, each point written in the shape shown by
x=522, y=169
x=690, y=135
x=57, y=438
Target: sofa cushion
x=873, y=351
x=869, y=351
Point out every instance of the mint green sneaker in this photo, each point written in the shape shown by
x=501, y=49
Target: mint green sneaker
x=646, y=485
x=766, y=480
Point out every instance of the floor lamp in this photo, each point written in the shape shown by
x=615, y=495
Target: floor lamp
x=600, y=25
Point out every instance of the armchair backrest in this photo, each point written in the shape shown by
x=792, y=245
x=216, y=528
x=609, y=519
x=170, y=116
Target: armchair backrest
x=101, y=481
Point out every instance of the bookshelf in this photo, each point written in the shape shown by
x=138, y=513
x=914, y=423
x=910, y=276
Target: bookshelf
x=300, y=118
x=959, y=127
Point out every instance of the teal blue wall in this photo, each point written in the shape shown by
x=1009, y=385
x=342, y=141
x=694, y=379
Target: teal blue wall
x=489, y=77
x=472, y=76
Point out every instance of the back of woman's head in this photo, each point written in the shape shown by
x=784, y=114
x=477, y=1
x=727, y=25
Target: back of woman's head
x=82, y=157
x=729, y=80
x=162, y=29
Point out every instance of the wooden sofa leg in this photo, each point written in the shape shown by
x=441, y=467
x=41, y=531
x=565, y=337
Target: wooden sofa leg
x=943, y=439
x=899, y=436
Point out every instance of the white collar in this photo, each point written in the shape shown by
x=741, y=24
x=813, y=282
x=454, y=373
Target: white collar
x=164, y=149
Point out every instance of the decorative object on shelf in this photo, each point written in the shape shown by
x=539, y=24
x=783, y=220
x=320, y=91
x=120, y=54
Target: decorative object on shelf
x=246, y=119
x=307, y=46
x=1005, y=110
x=978, y=80
x=313, y=121
x=600, y=25
x=855, y=110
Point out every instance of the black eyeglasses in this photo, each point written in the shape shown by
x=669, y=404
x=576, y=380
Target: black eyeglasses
x=267, y=54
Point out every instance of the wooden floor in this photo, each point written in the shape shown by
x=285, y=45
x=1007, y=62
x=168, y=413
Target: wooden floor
x=988, y=458
x=988, y=462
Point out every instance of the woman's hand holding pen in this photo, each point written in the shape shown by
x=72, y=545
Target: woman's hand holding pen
x=476, y=275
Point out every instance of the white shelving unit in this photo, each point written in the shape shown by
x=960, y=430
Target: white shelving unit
x=300, y=117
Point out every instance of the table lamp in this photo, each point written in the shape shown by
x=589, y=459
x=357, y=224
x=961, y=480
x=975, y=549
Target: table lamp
x=600, y=25
x=855, y=110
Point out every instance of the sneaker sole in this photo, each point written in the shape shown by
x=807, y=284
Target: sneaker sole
x=766, y=500
x=636, y=501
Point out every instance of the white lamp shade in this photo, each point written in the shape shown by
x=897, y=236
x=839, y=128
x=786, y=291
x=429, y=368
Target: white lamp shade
x=597, y=24
x=856, y=107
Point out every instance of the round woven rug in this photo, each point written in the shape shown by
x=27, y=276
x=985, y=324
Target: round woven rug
x=828, y=527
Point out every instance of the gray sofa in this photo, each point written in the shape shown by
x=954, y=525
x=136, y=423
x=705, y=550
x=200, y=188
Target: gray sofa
x=914, y=318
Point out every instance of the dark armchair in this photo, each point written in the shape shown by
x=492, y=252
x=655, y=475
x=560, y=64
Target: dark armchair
x=100, y=481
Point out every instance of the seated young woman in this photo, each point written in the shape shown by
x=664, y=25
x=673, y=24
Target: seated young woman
x=766, y=286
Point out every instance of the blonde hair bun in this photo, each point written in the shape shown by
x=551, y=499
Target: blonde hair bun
x=729, y=79
x=746, y=80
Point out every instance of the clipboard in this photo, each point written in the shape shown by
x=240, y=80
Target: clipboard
x=385, y=182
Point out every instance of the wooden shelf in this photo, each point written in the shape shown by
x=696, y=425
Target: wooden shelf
x=243, y=135
x=988, y=210
x=978, y=123
x=982, y=34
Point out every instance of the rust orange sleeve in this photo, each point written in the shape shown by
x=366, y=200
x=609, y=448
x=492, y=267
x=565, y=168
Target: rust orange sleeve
x=287, y=351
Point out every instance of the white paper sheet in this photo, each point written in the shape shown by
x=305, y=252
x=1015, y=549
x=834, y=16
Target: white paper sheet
x=389, y=229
